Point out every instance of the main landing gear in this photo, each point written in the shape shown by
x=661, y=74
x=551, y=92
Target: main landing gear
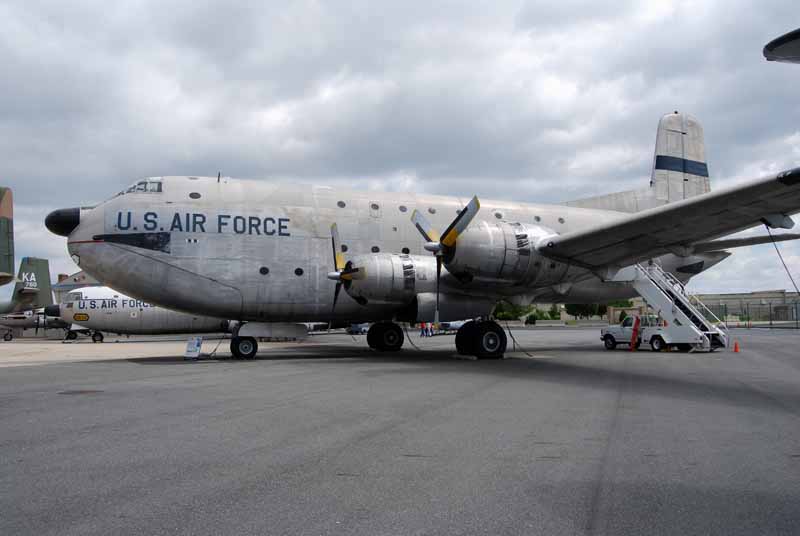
x=244, y=347
x=385, y=337
x=484, y=340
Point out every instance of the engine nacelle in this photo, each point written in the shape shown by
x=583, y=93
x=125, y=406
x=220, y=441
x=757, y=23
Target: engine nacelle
x=386, y=278
x=504, y=253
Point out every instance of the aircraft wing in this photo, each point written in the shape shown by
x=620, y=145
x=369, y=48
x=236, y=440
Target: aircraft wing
x=675, y=227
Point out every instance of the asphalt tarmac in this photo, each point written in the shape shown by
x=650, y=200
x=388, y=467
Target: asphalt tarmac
x=329, y=437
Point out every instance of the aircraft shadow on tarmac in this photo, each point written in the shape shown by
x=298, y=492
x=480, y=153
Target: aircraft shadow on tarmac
x=594, y=373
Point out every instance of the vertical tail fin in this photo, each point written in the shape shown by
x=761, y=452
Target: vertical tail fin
x=6, y=236
x=33, y=284
x=680, y=170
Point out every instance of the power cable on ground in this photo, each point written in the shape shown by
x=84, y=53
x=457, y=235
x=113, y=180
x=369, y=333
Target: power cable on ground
x=515, y=343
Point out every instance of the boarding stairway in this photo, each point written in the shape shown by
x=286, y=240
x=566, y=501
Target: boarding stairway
x=688, y=320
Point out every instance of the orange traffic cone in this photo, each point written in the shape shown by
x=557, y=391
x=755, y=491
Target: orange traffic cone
x=735, y=347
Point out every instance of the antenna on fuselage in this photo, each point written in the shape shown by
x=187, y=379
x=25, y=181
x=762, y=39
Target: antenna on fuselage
x=219, y=174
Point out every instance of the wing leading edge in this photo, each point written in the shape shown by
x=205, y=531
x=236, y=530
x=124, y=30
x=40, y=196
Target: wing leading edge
x=676, y=227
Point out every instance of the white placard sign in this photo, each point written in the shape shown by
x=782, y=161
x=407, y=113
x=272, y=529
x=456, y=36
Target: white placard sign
x=193, y=346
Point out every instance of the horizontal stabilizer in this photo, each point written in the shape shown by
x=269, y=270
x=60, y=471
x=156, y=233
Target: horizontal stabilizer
x=719, y=245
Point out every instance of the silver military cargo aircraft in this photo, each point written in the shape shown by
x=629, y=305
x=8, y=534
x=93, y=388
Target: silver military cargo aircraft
x=268, y=253
x=99, y=309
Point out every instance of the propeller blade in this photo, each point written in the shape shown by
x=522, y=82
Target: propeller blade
x=350, y=273
x=424, y=227
x=457, y=226
x=335, y=297
x=338, y=256
x=438, y=276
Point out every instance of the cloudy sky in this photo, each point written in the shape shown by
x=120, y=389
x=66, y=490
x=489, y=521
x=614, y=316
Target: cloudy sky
x=525, y=100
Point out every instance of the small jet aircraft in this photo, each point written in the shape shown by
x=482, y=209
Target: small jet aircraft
x=99, y=309
x=268, y=253
x=6, y=236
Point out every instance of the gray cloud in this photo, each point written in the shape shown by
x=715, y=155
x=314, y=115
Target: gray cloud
x=512, y=100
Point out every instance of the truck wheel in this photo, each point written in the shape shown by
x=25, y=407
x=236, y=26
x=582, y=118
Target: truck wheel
x=609, y=342
x=657, y=344
x=244, y=347
x=97, y=337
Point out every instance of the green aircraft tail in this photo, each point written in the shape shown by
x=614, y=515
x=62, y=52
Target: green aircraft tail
x=6, y=236
x=33, y=284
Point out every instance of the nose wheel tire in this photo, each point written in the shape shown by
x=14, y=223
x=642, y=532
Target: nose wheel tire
x=385, y=337
x=244, y=347
x=97, y=337
x=71, y=336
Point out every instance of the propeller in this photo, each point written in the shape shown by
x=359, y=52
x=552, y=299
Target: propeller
x=343, y=271
x=444, y=244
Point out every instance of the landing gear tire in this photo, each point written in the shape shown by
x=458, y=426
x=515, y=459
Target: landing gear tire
x=97, y=337
x=465, y=337
x=609, y=342
x=657, y=344
x=385, y=337
x=8, y=336
x=71, y=336
x=244, y=347
x=489, y=341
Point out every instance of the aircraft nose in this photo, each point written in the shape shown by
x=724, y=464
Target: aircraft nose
x=63, y=221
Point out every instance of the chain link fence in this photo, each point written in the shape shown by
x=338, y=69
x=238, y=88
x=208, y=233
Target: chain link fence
x=763, y=315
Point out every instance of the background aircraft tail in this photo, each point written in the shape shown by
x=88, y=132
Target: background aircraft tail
x=6, y=236
x=679, y=169
x=33, y=284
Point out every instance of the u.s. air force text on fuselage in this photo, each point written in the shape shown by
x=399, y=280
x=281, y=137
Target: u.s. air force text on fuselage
x=202, y=222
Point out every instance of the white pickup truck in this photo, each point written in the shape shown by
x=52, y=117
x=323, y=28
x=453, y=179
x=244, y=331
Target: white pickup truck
x=651, y=330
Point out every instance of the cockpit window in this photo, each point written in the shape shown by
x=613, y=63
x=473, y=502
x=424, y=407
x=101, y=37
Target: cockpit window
x=153, y=185
x=73, y=296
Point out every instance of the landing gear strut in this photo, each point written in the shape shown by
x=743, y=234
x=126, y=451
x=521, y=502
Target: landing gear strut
x=385, y=337
x=244, y=347
x=484, y=340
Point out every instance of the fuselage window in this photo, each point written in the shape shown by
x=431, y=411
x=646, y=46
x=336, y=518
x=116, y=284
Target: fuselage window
x=432, y=210
x=402, y=208
x=194, y=195
x=263, y=270
x=341, y=204
x=344, y=248
x=374, y=206
x=376, y=249
x=537, y=218
x=298, y=272
x=498, y=215
x=560, y=220
x=406, y=251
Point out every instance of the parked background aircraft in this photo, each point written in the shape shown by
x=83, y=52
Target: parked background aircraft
x=6, y=236
x=102, y=309
x=32, y=289
x=32, y=293
x=267, y=253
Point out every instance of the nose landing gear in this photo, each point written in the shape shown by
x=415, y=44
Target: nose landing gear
x=484, y=340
